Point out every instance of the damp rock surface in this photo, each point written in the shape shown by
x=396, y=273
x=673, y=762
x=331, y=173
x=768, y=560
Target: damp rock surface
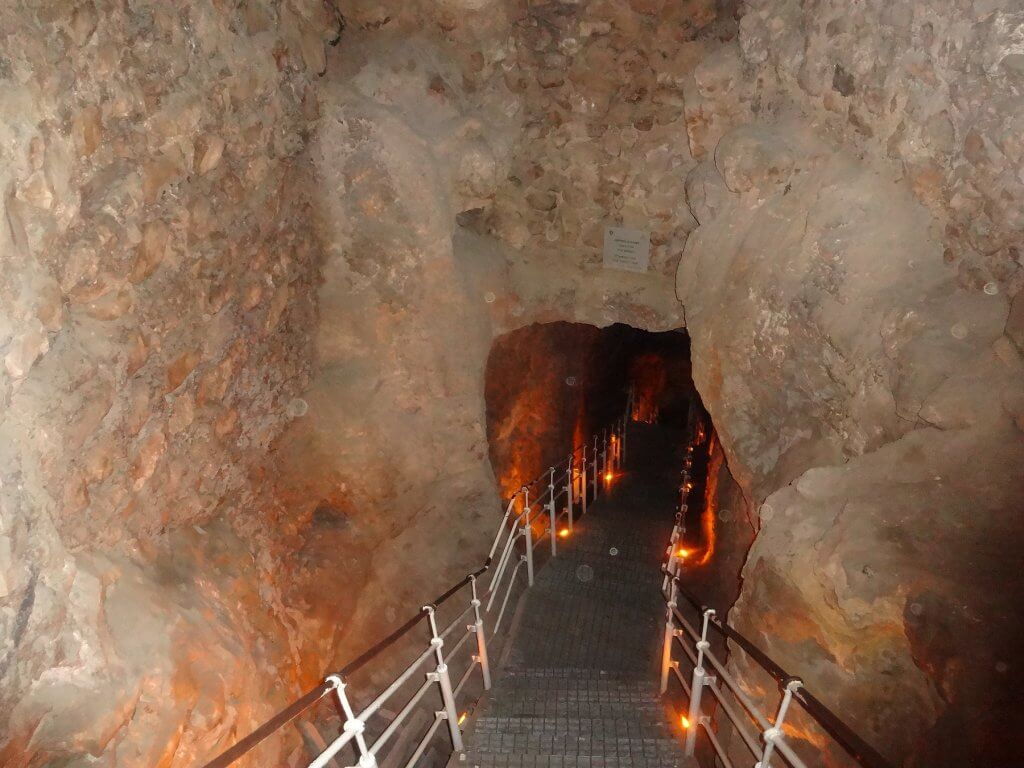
x=254, y=257
x=853, y=341
x=155, y=314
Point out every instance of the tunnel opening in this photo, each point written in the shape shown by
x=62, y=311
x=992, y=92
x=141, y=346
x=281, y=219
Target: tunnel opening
x=548, y=386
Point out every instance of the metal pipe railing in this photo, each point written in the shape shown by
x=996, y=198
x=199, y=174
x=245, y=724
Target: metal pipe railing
x=402, y=714
x=513, y=527
x=772, y=736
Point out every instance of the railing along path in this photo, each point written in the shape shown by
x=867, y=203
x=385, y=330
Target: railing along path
x=557, y=495
x=730, y=696
x=560, y=493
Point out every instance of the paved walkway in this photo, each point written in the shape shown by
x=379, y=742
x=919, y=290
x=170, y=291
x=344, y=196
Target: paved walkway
x=579, y=684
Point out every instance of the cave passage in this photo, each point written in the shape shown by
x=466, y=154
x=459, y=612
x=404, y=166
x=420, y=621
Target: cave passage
x=550, y=384
x=586, y=643
x=595, y=616
x=547, y=385
x=301, y=299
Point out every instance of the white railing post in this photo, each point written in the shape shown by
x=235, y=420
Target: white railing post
x=697, y=683
x=671, y=569
x=595, y=467
x=670, y=632
x=481, y=642
x=528, y=533
x=570, y=483
x=770, y=735
x=444, y=682
x=552, y=511
x=353, y=725
x=584, y=491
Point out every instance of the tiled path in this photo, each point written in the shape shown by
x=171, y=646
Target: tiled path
x=579, y=686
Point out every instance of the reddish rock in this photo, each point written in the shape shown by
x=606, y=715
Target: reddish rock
x=150, y=252
x=180, y=368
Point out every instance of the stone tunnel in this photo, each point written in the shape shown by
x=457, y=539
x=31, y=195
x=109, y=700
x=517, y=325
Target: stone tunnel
x=298, y=296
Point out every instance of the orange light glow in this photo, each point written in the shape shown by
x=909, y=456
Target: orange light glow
x=462, y=717
x=684, y=721
x=608, y=477
x=683, y=553
x=650, y=377
x=564, y=533
x=710, y=513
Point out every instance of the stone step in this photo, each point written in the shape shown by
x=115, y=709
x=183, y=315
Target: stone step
x=583, y=710
x=555, y=744
x=591, y=727
x=477, y=759
x=581, y=676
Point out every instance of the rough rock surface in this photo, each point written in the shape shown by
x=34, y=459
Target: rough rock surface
x=155, y=307
x=215, y=225
x=420, y=124
x=933, y=87
x=601, y=146
x=851, y=339
x=393, y=449
x=720, y=525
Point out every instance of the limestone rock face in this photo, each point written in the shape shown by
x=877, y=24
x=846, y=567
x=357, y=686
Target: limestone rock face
x=393, y=448
x=602, y=146
x=251, y=271
x=935, y=88
x=846, y=369
x=888, y=564
x=862, y=310
x=155, y=311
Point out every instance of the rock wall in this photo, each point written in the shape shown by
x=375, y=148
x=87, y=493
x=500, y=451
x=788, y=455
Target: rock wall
x=392, y=456
x=422, y=120
x=601, y=146
x=854, y=325
x=155, y=317
x=541, y=383
x=176, y=303
x=934, y=88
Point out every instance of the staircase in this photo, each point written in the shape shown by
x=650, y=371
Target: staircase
x=560, y=718
x=578, y=686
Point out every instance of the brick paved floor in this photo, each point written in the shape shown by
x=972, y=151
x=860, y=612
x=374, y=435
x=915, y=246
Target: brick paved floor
x=578, y=688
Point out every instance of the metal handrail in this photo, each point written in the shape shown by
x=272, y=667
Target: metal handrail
x=792, y=687
x=521, y=528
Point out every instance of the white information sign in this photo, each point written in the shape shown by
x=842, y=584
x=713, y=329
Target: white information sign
x=628, y=249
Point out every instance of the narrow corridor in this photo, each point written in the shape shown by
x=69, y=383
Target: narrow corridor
x=578, y=683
